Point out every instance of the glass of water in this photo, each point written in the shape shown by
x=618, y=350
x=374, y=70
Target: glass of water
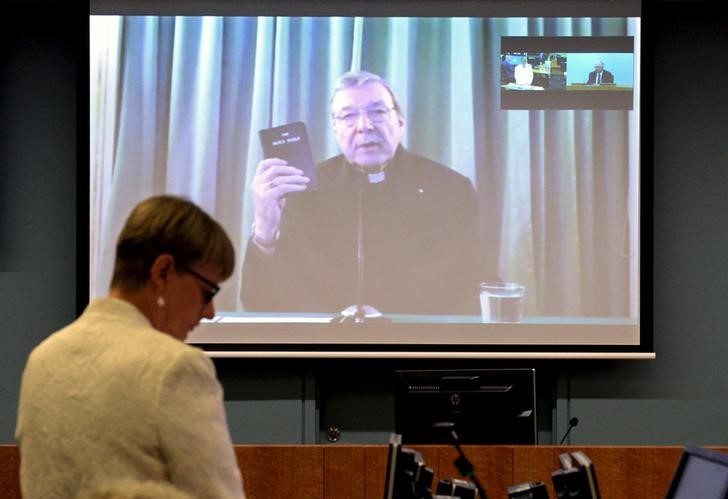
x=501, y=301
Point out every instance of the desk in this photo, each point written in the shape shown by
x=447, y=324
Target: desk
x=516, y=86
x=599, y=88
x=357, y=471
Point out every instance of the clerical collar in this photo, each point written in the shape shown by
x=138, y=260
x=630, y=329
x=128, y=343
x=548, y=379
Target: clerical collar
x=373, y=176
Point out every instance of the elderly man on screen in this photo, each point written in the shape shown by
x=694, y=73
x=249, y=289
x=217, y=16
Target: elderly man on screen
x=600, y=75
x=417, y=220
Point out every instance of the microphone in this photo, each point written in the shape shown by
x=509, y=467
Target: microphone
x=360, y=312
x=572, y=424
x=463, y=465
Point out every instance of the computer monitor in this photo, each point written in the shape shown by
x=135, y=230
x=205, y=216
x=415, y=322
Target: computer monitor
x=700, y=473
x=577, y=477
x=486, y=406
x=407, y=475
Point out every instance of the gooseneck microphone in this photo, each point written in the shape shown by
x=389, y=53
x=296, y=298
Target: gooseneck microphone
x=359, y=312
x=572, y=424
x=463, y=465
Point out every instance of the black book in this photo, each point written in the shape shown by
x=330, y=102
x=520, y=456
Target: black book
x=290, y=142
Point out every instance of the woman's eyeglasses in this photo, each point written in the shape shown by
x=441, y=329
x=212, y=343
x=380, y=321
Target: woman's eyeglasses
x=208, y=294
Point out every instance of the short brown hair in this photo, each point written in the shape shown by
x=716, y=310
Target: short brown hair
x=172, y=225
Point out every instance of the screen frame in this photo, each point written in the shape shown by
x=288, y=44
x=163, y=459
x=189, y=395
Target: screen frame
x=372, y=340
x=694, y=452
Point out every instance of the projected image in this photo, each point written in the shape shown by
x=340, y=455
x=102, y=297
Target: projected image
x=598, y=71
x=535, y=71
x=366, y=168
x=569, y=68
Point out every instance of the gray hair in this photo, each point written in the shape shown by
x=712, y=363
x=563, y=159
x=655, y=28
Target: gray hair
x=360, y=78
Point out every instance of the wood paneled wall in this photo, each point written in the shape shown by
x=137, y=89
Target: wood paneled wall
x=357, y=471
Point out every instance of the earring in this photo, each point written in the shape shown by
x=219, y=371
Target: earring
x=160, y=301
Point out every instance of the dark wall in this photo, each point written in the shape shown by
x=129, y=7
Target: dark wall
x=677, y=398
x=680, y=397
x=39, y=60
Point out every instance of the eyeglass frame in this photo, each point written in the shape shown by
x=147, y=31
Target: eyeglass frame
x=214, y=288
x=355, y=114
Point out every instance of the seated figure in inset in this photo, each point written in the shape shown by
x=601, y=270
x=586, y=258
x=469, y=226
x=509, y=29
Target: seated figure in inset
x=524, y=72
x=600, y=75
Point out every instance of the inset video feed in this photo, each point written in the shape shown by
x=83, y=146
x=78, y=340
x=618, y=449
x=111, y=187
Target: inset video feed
x=567, y=73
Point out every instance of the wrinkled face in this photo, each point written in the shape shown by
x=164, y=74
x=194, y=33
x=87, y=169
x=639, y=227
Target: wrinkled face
x=366, y=126
x=188, y=299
